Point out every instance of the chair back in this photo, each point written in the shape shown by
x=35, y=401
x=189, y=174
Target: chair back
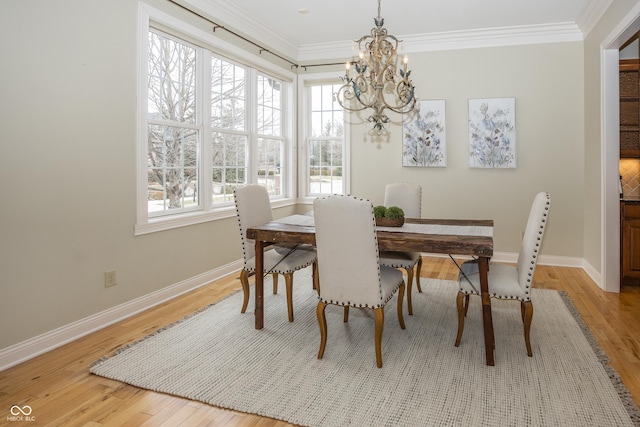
x=252, y=208
x=347, y=246
x=530, y=246
x=407, y=197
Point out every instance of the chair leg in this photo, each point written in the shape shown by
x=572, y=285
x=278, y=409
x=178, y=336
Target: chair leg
x=275, y=283
x=379, y=315
x=418, y=270
x=466, y=304
x=345, y=316
x=409, y=282
x=400, y=298
x=322, y=323
x=288, y=280
x=460, y=305
x=527, y=309
x=244, y=281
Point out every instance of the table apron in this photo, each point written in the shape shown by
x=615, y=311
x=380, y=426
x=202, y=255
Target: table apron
x=440, y=244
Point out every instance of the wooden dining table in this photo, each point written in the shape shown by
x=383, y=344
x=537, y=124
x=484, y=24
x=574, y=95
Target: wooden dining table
x=439, y=236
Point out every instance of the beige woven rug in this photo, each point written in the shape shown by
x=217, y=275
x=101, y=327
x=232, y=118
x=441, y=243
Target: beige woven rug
x=216, y=356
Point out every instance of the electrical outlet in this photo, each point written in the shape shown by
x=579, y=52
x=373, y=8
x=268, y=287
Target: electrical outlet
x=110, y=279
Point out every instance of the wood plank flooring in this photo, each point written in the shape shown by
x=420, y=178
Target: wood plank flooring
x=60, y=390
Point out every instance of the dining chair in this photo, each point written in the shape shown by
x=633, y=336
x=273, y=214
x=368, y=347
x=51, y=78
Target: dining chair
x=349, y=269
x=407, y=197
x=508, y=281
x=254, y=208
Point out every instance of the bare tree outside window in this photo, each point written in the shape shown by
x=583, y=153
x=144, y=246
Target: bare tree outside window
x=270, y=142
x=244, y=128
x=172, y=138
x=325, y=146
x=230, y=138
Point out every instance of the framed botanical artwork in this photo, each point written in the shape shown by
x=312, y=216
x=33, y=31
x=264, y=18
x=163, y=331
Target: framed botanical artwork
x=423, y=135
x=492, y=133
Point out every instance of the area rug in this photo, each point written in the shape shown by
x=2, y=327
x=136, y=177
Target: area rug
x=217, y=357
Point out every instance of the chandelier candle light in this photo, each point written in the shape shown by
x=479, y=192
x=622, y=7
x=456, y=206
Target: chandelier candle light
x=374, y=80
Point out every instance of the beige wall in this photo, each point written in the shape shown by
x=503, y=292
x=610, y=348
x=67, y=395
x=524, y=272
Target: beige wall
x=67, y=165
x=547, y=82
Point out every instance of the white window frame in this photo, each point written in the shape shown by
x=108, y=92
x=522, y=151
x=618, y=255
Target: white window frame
x=255, y=63
x=304, y=122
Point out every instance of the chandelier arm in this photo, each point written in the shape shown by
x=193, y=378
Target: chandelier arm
x=348, y=95
x=363, y=106
x=404, y=108
x=400, y=110
x=353, y=109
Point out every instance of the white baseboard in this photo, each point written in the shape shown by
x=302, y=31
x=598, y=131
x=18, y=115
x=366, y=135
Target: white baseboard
x=512, y=257
x=48, y=341
x=556, y=261
x=593, y=273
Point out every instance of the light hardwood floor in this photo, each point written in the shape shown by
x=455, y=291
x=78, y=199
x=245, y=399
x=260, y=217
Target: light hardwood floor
x=60, y=390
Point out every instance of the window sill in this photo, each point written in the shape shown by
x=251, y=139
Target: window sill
x=176, y=221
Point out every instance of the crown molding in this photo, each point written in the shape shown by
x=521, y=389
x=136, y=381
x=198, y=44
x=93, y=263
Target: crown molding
x=490, y=37
x=230, y=16
x=591, y=14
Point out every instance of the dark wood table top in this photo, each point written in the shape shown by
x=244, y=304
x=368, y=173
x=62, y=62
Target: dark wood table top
x=401, y=240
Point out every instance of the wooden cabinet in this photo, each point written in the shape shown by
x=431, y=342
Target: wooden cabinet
x=630, y=241
x=629, y=108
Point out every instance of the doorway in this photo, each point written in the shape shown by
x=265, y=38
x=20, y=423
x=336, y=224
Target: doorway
x=610, y=195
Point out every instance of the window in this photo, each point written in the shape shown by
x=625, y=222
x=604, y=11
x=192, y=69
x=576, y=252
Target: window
x=270, y=141
x=234, y=142
x=230, y=136
x=326, y=144
x=209, y=123
x=173, y=135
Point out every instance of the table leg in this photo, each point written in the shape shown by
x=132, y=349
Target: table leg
x=489, y=343
x=259, y=288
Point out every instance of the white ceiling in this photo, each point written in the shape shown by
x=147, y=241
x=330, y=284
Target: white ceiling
x=330, y=25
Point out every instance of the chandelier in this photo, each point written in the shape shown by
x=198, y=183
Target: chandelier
x=374, y=80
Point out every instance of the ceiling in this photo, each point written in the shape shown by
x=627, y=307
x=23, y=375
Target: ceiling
x=325, y=27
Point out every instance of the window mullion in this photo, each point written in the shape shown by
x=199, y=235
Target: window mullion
x=251, y=123
x=204, y=119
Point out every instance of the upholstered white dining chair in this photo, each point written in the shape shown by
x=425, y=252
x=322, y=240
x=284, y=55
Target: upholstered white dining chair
x=349, y=270
x=507, y=281
x=253, y=208
x=407, y=197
